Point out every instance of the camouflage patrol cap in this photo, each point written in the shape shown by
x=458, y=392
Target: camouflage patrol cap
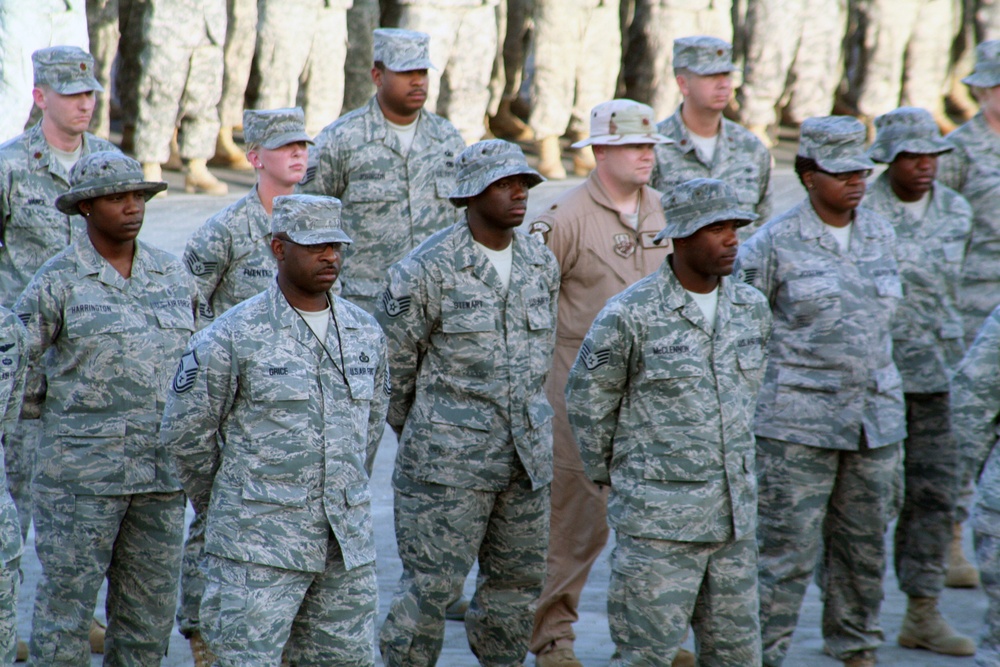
x=698, y=203
x=906, y=130
x=622, y=123
x=986, y=73
x=703, y=55
x=104, y=173
x=836, y=143
x=308, y=219
x=486, y=162
x=402, y=50
x=68, y=70
x=274, y=128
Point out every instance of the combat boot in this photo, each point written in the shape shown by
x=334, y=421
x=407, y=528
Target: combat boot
x=924, y=627
x=508, y=126
x=455, y=611
x=22, y=651
x=200, y=179
x=550, y=159
x=562, y=656
x=203, y=656
x=151, y=171
x=684, y=658
x=864, y=658
x=961, y=573
x=96, y=636
x=227, y=153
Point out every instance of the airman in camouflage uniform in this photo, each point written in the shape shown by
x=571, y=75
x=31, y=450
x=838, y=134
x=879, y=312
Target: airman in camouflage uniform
x=683, y=497
x=13, y=364
x=975, y=413
x=830, y=415
x=106, y=318
x=230, y=258
x=738, y=158
x=471, y=338
x=933, y=226
x=393, y=198
x=298, y=395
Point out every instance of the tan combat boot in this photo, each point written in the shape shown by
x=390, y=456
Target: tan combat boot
x=151, y=171
x=864, y=658
x=203, y=656
x=22, y=651
x=961, y=573
x=562, y=656
x=227, y=153
x=508, y=126
x=924, y=627
x=97, y=636
x=684, y=658
x=200, y=179
x=550, y=159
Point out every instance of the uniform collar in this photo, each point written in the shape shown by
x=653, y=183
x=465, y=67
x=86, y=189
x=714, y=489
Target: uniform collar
x=648, y=200
x=257, y=220
x=89, y=262
x=674, y=128
x=676, y=298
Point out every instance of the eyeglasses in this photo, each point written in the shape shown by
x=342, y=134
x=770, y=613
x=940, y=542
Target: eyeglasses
x=314, y=248
x=845, y=176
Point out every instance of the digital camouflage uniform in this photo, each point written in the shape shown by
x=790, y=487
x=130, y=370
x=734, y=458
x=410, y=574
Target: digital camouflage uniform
x=289, y=537
x=662, y=406
x=472, y=474
x=181, y=79
x=830, y=414
x=927, y=343
x=740, y=159
x=13, y=364
x=107, y=501
x=392, y=201
x=32, y=230
x=102, y=27
x=975, y=415
x=237, y=59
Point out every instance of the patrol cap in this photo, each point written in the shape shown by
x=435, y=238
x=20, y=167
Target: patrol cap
x=486, y=162
x=698, y=203
x=308, y=219
x=836, y=143
x=274, y=128
x=703, y=55
x=68, y=70
x=402, y=50
x=906, y=130
x=622, y=123
x=104, y=173
x=986, y=73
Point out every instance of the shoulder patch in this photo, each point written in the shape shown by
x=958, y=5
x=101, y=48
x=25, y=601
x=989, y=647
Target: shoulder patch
x=748, y=275
x=187, y=371
x=393, y=306
x=196, y=266
x=539, y=230
x=594, y=360
x=4, y=348
x=310, y=174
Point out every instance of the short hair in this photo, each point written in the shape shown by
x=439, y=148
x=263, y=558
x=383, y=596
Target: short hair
x=682, y=71
x=804, y=165
x=379, y=65
x=253, y=146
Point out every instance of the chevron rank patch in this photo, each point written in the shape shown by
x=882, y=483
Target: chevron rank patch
x=394, y=307
x=594, y=360
x=187, y=371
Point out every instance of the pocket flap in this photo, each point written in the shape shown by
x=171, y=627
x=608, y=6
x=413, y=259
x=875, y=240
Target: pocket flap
x=888, y=379
x=358, y=495
x=464, y=414
x=809, y=378
x=275, y=493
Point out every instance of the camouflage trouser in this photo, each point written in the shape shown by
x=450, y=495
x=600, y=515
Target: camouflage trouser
x=134, y=541
x=10, y=585
x=20, y=449
x=988, y=557
x=102, y=26
x=192, y=579
x=250, y=612
x=237, y=56
x=658, y=587
x=362, y=19
x=838, y=500
x=930, y=464
x=440, y=531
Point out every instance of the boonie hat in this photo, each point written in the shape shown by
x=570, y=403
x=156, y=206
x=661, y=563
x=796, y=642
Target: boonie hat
x=986, y=73
x=836, y=143
x=698, y=203
x=104, y=173
x=68, y=70
x=906, y=130
x=402, y=50
x=274, y=128
x=622, y=123
x=308, y=219
x=487, y=162
x=703, y=55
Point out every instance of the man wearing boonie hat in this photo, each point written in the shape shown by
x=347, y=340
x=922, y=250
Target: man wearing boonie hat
x=933, y=228
x=601, y=233
x=231, y=260
x=470, y=316
x=704, y=144
x=661, y=399
x=106, y=318
x=392, y=163
x=294, y=383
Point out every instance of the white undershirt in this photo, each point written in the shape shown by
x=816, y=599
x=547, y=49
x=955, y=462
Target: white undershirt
x=708, y=303
x=66, y=159
x=318, y=321
x=405, y=133
x=918, y=208
x=842, y=234
x=631, y=219
x=704, y=145
x=502, y=261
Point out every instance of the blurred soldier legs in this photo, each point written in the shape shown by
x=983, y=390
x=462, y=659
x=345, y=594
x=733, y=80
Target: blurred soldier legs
x=237, y=56
x=362, y=19
x=102, y=26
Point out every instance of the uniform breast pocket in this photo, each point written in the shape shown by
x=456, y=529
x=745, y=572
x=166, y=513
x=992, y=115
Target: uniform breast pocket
x=954, y=251
x=539, y=311
x=176, y=319
x=467, y=311
x=278, y=381
x=812, y=298
x=370, y=191
x=672, y=361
